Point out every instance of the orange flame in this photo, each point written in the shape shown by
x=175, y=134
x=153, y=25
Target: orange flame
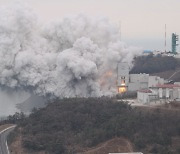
x=122, y=90
x=105, y=77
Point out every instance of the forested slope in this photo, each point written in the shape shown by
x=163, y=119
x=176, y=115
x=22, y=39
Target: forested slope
x=154, y=64
x=73, y=125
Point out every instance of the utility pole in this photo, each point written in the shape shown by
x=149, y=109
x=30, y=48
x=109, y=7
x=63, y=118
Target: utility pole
x=165, y=39
x=120, y=32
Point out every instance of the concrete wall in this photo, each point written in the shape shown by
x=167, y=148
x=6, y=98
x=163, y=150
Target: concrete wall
x=143, y=78
x=155, y=80
x=143, y=81
x=176, y=93
x=137, y=86
x=138, y=81
x=143, y=97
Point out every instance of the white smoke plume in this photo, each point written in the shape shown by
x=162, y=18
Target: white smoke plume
x=9, y=98
x=74, y=57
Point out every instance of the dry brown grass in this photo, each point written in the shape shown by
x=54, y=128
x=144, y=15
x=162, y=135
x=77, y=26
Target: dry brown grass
x=113, y=145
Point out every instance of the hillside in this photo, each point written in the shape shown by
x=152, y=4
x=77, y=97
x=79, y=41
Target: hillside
x=80, y=125
x=115, y=144
x=155, y=64
x=170, y=74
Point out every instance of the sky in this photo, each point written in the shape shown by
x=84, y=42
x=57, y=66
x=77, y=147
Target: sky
x=142, y=22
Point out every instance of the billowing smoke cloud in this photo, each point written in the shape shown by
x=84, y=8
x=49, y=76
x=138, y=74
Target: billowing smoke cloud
x=8, y=100
x=76, y=56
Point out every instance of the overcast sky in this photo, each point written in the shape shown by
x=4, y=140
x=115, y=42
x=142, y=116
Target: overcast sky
x=142, y=21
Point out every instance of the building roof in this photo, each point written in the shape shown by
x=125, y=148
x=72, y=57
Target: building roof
x=171, y=86
x=145, y=91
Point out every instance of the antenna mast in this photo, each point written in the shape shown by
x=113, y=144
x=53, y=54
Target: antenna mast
x=165, y=39
x=120, y=30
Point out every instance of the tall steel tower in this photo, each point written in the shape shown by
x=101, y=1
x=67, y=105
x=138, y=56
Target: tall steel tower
x=175, y=38
x=165, y=40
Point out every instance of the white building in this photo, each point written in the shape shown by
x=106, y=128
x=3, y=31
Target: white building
x=148, y=88
x=135, y=82
x=138, y=81
x=155, y=80
x=168, y=92
x=146, y=96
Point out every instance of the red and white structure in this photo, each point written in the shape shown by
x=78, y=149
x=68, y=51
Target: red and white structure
x=167, y=92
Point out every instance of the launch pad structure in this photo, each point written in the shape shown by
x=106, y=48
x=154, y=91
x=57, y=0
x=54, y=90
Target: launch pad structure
x=175, y=39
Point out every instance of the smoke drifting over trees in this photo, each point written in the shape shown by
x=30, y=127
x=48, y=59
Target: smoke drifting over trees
x=76, y=56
